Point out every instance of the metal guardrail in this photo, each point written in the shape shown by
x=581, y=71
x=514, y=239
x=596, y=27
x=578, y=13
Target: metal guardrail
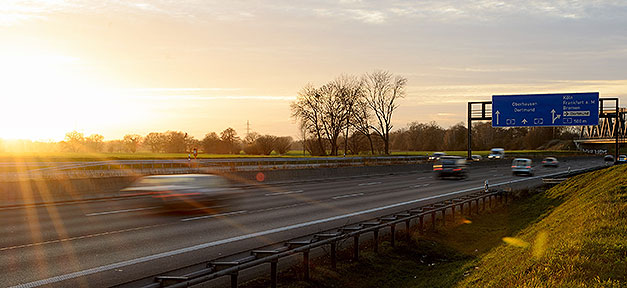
x=216, y=269
x=89, y=169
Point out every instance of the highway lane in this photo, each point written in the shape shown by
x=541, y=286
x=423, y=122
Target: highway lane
x=89, y=235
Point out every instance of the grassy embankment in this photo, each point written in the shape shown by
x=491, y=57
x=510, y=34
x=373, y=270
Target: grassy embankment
x=573, y=235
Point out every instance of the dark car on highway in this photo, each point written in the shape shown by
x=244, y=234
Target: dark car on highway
x=550, y=162
x=180, y=190
x=451, y=166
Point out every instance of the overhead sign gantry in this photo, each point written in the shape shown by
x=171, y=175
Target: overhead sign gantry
x=535, y=110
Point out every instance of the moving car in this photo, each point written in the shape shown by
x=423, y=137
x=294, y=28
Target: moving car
x=182, y=189
x=622, y=159
x=436, y=156
x=451, y=166
x=522, y=166
x=496, y=153
x=476, y=158
x=550, y=162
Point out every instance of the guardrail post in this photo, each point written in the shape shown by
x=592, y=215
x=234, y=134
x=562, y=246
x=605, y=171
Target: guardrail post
x=393, y=234
x=273, y=273
x=407, y=225
x=433, y=220
x=443, y=216
x=453, y=211
x=420, y=223
x=234, y=279
x=483, y=203
x=333, y=256
x=356, y=246
x=477, y=205
x=376, y=240
x=306, y=264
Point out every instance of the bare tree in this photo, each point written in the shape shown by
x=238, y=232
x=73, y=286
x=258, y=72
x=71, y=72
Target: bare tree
x=282, y=145
x=361, y=120
x=94, y=142
x=131, y=142
x=74, y=141
x=175, y=142
x=350, y=92
x=230, y=139
x=383, y=89
x=212, y=143
x=155, y=141
x=308, y=109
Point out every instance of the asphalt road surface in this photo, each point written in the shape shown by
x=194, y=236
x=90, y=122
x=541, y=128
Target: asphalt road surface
x=108, y=242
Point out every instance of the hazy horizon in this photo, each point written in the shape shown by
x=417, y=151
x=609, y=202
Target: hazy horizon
x=134, y=67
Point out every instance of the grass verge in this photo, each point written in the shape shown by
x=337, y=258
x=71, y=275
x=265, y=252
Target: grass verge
x=573, y=235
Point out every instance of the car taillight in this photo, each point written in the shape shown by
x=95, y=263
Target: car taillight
x=513, y=166
x=437, y=169
x=458, y=169
x=527, y=166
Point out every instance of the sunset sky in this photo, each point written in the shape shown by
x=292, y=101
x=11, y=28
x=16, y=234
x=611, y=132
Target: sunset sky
x=118, y=67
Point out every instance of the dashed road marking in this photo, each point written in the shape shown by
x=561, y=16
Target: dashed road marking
x=369, y=183
x=348, y=195
x=213, y=215
x=284, y=193
x=120, y=211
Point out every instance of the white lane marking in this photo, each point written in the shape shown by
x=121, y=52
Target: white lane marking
x=277, y=208
x=82, y=237
x=284, y=193
x=420, y=185
x=121, y=264
x=369, y=183
x=213, y=215
x=348, y=195
x=420, y=178
x=120, y=211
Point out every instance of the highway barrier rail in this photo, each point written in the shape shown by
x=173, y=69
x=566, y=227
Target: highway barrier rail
x=115, y=168
x=475, y=200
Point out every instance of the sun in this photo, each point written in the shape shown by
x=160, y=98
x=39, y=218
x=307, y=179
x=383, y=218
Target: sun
x=46, y=95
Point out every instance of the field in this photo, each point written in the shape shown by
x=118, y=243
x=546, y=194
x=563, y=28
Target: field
x=573, y=235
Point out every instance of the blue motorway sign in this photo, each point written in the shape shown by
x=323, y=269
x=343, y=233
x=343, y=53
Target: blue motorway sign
x=564, y=109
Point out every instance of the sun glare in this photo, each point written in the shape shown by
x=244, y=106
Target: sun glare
x=46, y=95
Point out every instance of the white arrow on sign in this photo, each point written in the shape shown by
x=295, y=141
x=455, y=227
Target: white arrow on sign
x=554, y=117
x=524, y=121
x=497, y=116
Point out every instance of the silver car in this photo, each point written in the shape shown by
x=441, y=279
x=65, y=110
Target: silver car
x=182, y=189
x=522, y=166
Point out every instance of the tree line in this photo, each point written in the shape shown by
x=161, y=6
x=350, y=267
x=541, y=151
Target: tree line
x=415, y=136
x=432, y=137
x=227, y=142
x=348, y=105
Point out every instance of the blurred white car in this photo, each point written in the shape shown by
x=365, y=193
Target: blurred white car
x=436, y=156
x=182, y=189
x=522, y=166
x=496, y=153
x=476, y=158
